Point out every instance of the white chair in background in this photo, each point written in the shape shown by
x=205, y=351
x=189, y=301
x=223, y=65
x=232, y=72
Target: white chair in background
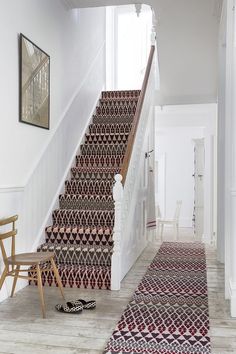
x=158, y=217
x=174, y=222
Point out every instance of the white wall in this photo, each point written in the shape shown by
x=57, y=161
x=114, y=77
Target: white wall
x=176, y=127
x=64, y=36
x=187, y=40
x=221, y=135
x=35, y=162
x=227, y=156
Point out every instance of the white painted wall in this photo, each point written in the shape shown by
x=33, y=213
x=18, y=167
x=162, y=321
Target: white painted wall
x=35, y=162
x=227, y=156
x=221, y=135
x=176, y=127
x=64, y=36
x=187, y=41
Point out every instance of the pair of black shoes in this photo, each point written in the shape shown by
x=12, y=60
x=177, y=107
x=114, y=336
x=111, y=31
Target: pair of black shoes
x=76, y=306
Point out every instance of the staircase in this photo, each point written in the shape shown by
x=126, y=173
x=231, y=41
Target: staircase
x=82, y=229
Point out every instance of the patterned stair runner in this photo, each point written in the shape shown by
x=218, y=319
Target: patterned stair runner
x=168, y=313
x=81, y=234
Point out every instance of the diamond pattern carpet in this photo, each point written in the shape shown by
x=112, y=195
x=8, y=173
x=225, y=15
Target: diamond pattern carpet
x=168, y=313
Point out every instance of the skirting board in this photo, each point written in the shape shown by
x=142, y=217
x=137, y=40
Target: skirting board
x=232, y=290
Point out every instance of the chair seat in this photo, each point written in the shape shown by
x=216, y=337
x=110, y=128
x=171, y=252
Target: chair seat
x=30, y=258
x=167, y=221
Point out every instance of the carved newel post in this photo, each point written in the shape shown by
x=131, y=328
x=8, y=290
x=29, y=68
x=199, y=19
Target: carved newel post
x=116, y=258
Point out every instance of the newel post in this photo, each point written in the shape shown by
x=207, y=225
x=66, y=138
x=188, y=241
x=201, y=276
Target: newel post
x=116, y=256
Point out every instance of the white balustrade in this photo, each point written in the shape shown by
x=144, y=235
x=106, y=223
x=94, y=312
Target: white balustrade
x=130, y=235
x=116, y=265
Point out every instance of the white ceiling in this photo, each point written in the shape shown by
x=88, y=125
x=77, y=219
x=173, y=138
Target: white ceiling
x=187, y=40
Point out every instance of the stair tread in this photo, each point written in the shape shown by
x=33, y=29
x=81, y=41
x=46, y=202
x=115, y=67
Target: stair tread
x=94, y=169
x=50, y=246
x=117, y=99
x=106, y=135
x=86, y=197
x=80, y=229
x=85, y=211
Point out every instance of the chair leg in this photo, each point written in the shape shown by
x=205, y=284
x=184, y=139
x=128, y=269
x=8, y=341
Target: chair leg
x=158, y=231
x=162, y=229
x=40, y=287
x=55, y=270
x=177, y=231
x=15, y=280
x=3, y=277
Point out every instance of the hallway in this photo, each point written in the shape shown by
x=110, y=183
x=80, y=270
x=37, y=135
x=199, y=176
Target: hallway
x=22, y=330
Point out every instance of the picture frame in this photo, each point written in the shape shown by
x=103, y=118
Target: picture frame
x=34, y=80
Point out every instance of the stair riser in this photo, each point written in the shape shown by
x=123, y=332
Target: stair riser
x=83, y=217
x=99, y=149
x=93, y=176
x=73, y=255
x=110, y=128
x=92, y=161
x=118, y=100
x=86, y=205
x=115, y=119
x=83, y=277
x=120, y=94
x=69, y=238
x=116, y=110
x=117, y=104
x=85, y=187
x=113, y=139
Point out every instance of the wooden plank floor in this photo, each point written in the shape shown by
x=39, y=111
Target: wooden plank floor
x=22, y=330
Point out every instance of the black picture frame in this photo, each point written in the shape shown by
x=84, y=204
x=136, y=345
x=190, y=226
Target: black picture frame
x=34, y=82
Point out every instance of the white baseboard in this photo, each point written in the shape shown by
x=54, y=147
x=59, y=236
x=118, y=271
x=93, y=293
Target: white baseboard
x=232, y=291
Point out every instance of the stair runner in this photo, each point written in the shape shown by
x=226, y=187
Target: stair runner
x=81, y=233
x=168, y=313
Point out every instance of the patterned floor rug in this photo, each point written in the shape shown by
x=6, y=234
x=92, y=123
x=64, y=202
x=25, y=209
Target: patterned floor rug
x=168, y=313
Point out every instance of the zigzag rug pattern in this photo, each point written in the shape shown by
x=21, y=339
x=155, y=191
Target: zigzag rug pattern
x=82, y=229
x=168, y=313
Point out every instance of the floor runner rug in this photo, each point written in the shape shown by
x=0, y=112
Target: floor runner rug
x=168, y=313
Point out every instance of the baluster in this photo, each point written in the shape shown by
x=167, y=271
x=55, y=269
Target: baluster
x=116, y=257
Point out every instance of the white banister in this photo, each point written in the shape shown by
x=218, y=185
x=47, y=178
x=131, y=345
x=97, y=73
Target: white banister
x=131, y=200
x=116, y=259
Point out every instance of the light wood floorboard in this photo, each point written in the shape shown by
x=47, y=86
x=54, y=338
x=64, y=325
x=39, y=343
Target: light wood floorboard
x=23, y=331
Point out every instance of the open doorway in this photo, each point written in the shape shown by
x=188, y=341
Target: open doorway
x=186, y=156
x=198, y=176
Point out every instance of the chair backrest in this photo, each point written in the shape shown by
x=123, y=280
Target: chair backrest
x=12, y=233
x=177, y=210
x=158, y=212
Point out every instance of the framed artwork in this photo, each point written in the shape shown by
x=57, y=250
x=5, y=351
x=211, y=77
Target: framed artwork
x=34, y=84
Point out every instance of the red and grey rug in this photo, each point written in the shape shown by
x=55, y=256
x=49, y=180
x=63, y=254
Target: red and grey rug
x=168, y=313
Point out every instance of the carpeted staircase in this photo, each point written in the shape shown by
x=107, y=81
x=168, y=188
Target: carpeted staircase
x=81, y=233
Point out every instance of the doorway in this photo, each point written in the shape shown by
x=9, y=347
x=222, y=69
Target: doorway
x=198, y=175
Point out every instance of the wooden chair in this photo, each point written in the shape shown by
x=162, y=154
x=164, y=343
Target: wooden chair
x=14, y=263
x=174, y=222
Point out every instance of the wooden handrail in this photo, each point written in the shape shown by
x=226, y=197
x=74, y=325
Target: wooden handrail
x=129, y=148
